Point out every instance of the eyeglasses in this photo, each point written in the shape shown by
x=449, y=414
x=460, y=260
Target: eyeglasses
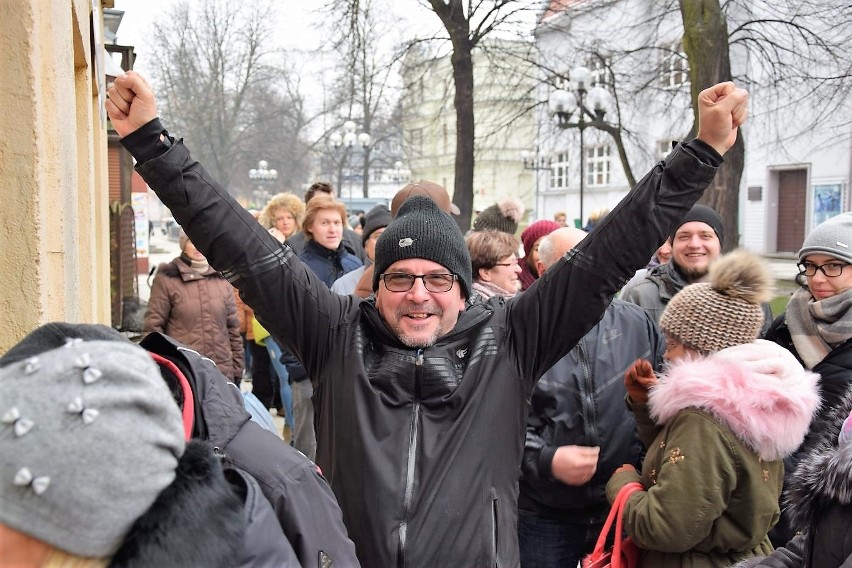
x=402, y=282
x=505, y=264
x=830, y=269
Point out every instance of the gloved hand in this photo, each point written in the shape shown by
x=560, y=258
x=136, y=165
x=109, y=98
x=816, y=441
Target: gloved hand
x=638, y=379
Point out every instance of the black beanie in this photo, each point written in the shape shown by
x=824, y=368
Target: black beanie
x=422, y=230
x=376, y=218
x=703, y=214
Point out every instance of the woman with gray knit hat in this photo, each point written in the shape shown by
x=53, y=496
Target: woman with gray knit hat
x=96, y=470
x=817, y=328
x=717, y=424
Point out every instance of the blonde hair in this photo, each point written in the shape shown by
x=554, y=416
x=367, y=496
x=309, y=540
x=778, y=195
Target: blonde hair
x=318, y=203
x=488, y=247
x=60, y=559
x=286, y=201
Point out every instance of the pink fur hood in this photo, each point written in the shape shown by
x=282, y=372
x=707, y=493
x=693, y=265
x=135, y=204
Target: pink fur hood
x=758, y=390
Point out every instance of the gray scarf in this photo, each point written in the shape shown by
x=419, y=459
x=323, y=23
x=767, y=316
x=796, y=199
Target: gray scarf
x=817, y=327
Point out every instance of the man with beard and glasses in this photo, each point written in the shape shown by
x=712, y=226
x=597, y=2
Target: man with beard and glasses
x=695, y=244
x=420, y=389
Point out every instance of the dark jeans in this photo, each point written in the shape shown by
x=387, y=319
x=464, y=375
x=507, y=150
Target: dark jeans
x=554, y=543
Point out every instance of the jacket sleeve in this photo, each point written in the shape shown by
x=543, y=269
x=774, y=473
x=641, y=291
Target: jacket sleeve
x=694, y=486
x=312, y=521
x=237, y=351
x=288, y=299
x=789, y=556
x=159, y=307
x=547, y=320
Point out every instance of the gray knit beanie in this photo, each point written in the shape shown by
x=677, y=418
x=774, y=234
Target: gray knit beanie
x=90, y=435
x=502, y=216
x=725, y=311
x=832, y=237
x=422, y=230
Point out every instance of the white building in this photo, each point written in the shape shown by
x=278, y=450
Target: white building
x=504, y=88
x=789, y=183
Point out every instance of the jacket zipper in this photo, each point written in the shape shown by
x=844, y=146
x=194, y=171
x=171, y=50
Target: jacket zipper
x=588, y=389
x=412, y=458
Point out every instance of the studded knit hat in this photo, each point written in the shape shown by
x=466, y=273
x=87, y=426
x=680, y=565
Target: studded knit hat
x=725, y=311
x=502, y=216
x=705, y=215
x=376, y=218
x=832, y=237
x=90, y=435
x=422, y=230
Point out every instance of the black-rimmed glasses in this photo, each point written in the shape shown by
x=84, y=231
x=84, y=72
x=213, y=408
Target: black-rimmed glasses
x=830, y=269
x=402, y=282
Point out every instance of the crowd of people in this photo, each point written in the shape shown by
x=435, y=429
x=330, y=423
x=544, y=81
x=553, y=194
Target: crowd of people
x=457, y=400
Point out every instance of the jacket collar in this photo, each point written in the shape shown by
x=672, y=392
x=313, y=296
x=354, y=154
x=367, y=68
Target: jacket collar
x=775, y=397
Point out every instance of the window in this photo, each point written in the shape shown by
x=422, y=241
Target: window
x=598, y=165
x=599, y=71
x=664, y=148
x=674, y=69
x=559, y=171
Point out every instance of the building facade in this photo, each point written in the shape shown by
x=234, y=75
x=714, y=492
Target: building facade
x=504, y=101
x=53, y=166
x=794, y=176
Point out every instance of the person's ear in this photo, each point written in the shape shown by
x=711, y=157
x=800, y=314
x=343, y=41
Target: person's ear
x=485, y=274
x=540, y=268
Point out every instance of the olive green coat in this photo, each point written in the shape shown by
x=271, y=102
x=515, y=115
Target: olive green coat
x=713, y=472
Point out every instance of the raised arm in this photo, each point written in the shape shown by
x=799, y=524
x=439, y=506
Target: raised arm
x=547, y=320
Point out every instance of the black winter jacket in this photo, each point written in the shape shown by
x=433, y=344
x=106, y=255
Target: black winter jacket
x=835, y=383
x=423, y=447
x=303, y=502
x=580, y=401
x=819, y=501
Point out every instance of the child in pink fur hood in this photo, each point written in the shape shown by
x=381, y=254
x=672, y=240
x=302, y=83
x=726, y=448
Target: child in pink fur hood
x=717, y=425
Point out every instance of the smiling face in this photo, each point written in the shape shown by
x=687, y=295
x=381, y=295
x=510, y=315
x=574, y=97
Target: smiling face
x=694, y=246
x=419, y=317
x=506, y=277
x=820, y=285
x=327, y=228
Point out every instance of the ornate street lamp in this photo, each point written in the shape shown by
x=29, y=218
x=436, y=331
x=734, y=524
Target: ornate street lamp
x=564, y=104
x=262, y=175
x=349, y=140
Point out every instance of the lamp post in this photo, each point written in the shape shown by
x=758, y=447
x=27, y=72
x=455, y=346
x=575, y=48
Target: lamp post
x=262, y=175
x=537, y=162
x=563, y=104
x=399, y=172
x=349, y=139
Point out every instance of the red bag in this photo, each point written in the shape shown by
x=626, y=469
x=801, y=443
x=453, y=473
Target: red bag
x=624, y=553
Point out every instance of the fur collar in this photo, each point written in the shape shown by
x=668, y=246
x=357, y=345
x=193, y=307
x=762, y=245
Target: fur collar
x=825, y=474
x=195, y=521
x=758, y=390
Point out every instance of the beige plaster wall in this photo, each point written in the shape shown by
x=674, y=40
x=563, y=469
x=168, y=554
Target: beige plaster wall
x=54, y=239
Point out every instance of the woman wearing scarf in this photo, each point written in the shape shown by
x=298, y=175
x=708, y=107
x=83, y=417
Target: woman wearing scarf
x=817, y=328
x=496, y=271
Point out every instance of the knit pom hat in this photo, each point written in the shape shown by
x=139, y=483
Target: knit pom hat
x=422, y=230
x=535, y=231
x=725, y=311
x=502, y=216
x=90, y=435
x=705, y=215
x=376, y=218
x=832, y=237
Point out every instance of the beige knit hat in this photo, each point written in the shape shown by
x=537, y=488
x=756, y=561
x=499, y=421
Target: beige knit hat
x=725, y=311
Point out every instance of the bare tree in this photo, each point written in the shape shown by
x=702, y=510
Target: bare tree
x=796, y=54
x=227, y=90
x=363, y=90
